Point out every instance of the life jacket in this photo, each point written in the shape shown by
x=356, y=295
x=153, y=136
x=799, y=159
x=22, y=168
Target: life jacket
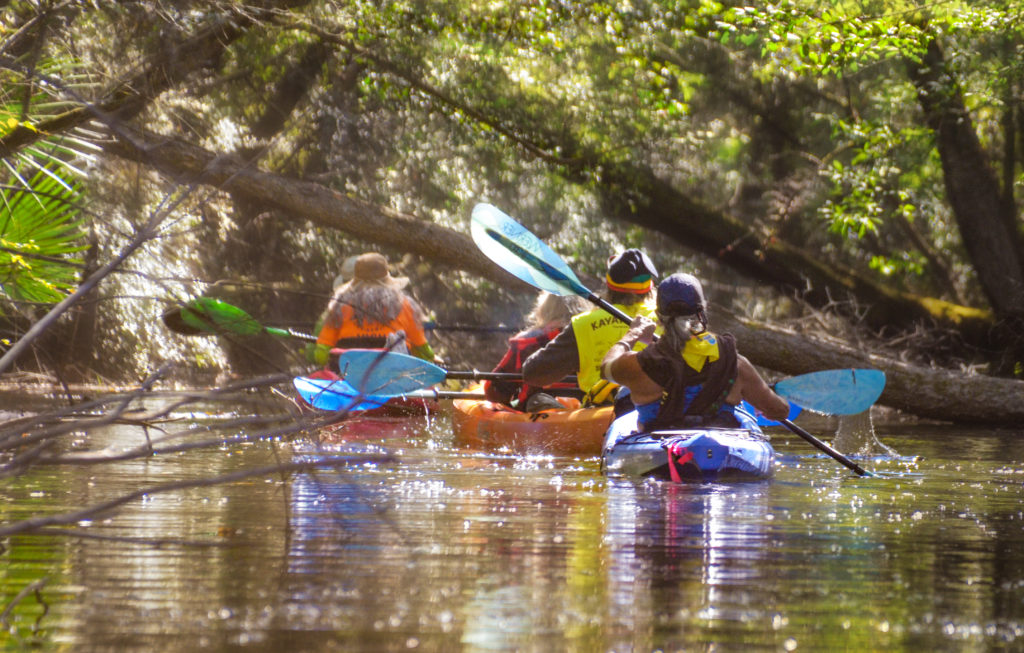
x=372, y=335
x=520, y=346
x=696, y=382
x=596, y=331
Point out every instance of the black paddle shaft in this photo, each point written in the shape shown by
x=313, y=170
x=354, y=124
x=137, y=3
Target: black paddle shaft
x=825, y=448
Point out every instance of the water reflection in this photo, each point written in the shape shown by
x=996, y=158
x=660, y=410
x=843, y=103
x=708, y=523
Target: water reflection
x=681, y=552
x=416, y=545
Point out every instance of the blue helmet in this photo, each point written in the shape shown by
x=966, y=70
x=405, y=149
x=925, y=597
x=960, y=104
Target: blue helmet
x=681, y=295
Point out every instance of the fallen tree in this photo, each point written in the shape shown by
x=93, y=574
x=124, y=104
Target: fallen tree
x=927, y=392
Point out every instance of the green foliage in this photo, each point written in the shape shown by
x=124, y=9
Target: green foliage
x=40, y=230
x=40, y=227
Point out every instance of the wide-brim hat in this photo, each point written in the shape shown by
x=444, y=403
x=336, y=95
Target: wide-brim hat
x=372, y=268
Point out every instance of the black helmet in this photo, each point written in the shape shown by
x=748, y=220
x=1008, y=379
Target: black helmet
x=681, y=295
x=631, y=271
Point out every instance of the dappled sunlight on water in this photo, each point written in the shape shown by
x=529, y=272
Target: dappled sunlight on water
x=416, y=544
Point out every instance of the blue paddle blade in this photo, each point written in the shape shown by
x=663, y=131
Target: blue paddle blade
x=334, y=395
x=520, y=253
x=379, y=372
x=794, y=412
x=834, y=392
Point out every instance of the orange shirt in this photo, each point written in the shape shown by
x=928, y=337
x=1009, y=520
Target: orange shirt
x=405, y=321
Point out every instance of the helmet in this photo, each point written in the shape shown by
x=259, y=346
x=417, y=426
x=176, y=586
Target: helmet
x=681, y=295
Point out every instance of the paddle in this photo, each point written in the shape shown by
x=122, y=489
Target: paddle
x=519, y=252
x=206, y=315
x=337, y=394
x=390, y=373
x=514, y=248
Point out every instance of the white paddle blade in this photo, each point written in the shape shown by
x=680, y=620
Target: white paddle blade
x=520, y=253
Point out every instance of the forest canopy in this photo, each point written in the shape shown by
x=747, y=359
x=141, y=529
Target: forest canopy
x=858, y=163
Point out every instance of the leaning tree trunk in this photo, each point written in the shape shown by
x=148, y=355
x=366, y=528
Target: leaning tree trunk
x=304, y=200
x=922, y=391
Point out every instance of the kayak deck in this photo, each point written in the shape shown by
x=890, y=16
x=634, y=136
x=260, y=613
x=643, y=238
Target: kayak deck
x=702, y=454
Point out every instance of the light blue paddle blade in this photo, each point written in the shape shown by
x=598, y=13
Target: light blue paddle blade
x=834, y=392
x=520, y=253
x=379, y=372
x=334, y=395
x=794, y=412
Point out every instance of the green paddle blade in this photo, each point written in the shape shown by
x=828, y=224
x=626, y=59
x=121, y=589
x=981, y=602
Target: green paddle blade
x=834, y=392
x=520, y=253
x=209, y=315
x=377, y=372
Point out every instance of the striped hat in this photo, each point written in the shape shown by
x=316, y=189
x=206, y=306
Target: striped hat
x=631, y=271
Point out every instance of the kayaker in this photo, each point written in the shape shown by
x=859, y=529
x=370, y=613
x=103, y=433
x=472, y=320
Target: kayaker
x=371, y=311
x=629, y=282
x=690, y=376
x=550, y=314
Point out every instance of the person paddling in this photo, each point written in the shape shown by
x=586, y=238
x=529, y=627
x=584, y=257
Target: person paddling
x=579, y=350
x=371, y=311
x=550, y=314
x=690, y=376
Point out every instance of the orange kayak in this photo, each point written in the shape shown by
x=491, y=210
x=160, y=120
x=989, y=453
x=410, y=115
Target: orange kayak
x=574, y=431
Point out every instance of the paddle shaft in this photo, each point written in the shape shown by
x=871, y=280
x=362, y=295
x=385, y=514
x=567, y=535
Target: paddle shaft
x=821, y=446
x=444, y=394
x=289, y=333
x=474, y=375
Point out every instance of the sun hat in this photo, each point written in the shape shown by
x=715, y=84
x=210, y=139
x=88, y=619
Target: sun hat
x=373, y=268
x=630, y=271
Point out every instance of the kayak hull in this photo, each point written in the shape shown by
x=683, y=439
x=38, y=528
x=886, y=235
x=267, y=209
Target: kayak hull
x=574, y=431
x=694, y=455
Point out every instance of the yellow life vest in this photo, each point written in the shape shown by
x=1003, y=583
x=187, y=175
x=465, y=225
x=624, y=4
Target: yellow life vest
x=596, y=331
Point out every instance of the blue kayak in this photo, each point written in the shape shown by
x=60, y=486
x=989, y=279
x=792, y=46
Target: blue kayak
x=691, y=455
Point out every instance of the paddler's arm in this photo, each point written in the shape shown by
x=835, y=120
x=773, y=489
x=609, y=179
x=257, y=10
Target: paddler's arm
x=554, y=361
x=326, y=339
x=620, y=365
x=750, y=386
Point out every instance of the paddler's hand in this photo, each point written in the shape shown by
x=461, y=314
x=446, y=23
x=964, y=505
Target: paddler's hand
x=641, y=329
x=321, y=354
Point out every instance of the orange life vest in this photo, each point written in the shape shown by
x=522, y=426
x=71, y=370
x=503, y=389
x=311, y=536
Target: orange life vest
x=352, y=334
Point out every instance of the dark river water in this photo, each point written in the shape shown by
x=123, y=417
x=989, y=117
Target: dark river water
x=414, y=544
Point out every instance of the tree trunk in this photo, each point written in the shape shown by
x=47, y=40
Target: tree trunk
x=922, y=391
x=305, y=200
x=978, y=204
